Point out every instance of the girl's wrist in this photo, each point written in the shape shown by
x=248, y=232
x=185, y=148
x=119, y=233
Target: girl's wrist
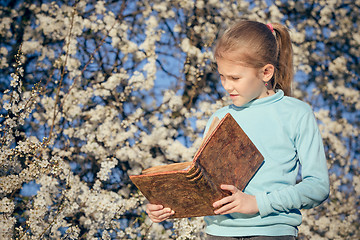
x=254, y=207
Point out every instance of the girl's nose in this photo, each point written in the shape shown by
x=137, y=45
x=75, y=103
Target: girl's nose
x=227, y=85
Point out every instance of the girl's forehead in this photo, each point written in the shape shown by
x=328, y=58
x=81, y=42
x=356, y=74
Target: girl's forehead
x=235, y=53
x=232, y=68
x=239, y=57
x=229, y=62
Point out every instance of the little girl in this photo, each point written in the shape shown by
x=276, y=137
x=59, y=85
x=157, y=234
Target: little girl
x=254, y=61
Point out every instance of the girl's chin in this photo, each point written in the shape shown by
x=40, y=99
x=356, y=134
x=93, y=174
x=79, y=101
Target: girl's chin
x=238, y=103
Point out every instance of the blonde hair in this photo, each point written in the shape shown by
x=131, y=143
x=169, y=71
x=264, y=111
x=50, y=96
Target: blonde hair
x=255, y=45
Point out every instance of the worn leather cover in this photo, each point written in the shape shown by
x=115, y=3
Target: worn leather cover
x=227, y=157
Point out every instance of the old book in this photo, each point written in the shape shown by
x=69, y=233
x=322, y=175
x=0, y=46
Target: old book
x=226, y=156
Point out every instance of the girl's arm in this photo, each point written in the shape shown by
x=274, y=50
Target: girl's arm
x=314, y=187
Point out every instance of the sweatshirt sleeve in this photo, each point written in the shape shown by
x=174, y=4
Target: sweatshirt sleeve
x=314, y=187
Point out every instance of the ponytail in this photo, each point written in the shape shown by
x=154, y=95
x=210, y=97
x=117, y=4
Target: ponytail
x=285, y=71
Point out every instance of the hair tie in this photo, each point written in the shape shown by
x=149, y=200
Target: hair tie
x=270, y=27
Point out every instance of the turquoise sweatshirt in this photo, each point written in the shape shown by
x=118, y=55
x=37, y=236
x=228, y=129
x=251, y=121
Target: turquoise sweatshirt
x=285, y=132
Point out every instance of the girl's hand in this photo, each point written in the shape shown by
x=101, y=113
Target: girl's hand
x=237, y=202
x=158, y=213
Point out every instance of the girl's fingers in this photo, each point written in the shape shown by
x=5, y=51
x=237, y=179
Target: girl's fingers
x=153, y=207
x=160, y=218
x=161, y=213
x=225, y=209
x=158, y=213
x=163, y=216
x=230, y=188
x=226, y=212
x=222, y=201
x=226, y=204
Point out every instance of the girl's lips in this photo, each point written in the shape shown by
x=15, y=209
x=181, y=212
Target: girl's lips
x=233, y=95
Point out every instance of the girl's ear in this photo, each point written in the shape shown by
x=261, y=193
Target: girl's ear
x=267, y=72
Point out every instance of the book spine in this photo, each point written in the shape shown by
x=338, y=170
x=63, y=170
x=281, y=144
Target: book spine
x=199, y=176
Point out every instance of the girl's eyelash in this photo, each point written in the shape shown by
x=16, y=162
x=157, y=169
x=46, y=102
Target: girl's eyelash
x=233, y=78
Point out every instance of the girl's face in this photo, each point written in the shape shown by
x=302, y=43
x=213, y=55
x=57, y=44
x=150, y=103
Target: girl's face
x=242, y=83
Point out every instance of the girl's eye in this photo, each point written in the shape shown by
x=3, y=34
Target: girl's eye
x=235, y=78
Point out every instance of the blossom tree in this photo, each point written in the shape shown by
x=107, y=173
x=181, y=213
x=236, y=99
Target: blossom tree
x=95, y=91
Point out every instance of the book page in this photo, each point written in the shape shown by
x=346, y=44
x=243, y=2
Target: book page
x=168, y=168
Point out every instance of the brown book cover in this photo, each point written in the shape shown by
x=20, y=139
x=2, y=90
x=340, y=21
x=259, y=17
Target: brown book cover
x=226, y=156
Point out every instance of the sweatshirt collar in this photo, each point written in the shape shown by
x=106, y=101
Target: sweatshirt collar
x=261, y=101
